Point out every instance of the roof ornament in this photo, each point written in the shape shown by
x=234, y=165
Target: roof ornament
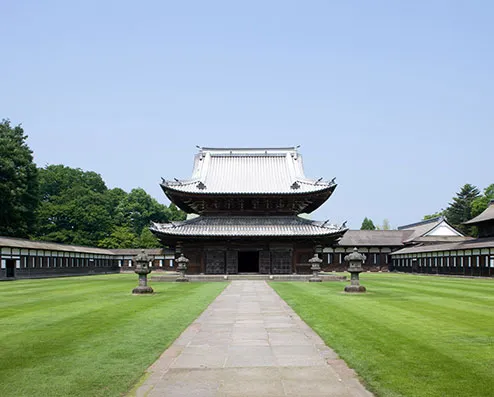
x=325, y=222
x=295, y=185
x=332, y=181
x=201, y=186
x=343, y=225
x=163, y=180
x=176, y=180
x=319, y=180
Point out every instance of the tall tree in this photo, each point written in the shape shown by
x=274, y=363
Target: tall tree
x=75, y=206
x=138, y=209
x=480, y=203
x=367, y=224
x=18, y=182
x=460, y=209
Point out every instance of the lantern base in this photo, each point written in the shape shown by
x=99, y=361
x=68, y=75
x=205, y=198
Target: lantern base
x=315, y=280
x=142, y=290
x=182, y=280
x=355, y=288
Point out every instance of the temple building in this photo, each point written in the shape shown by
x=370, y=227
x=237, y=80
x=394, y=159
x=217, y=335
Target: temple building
x=378, y=245
x=247, y=205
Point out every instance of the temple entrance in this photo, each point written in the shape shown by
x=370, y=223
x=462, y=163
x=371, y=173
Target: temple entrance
x=248, y=262
x=10, y=267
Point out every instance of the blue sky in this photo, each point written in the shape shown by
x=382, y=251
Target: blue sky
x=393, y=98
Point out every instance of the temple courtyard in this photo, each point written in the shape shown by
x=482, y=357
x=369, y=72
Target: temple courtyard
x=407, y=336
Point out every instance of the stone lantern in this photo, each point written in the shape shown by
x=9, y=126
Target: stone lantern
x=315, y=263
x=182, y=263
x=142, y=269
x=355, y=260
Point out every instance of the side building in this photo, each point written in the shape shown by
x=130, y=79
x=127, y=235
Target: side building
x=379, y=245
x=470, y=257
x=21, y=258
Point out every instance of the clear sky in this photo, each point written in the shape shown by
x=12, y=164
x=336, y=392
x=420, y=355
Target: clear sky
x=393, y=98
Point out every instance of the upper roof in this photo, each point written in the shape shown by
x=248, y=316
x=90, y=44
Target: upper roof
x=247, y=226
x=248, y=171
x=486, y=216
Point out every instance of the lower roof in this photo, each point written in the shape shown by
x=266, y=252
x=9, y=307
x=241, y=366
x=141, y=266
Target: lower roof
x=247, y=226
x=374, y=238
x=49, y=246
x=20, y=243
x=477, y=243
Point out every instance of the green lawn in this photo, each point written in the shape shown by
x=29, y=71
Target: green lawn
x=409, y=335
x=88, y=336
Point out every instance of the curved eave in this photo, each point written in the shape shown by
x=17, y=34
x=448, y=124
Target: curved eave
x=179, y=197
x=167, y=238
x=177, y=188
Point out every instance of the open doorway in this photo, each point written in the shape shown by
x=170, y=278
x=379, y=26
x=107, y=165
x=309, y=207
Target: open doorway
x=10, y=267
x=248, y=262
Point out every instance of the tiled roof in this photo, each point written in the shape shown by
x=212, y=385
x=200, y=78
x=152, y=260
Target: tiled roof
x=420, y=228
x=135, y=251
x=42, y=245
x=247, y=226
x=464, y=245
x=248, y=171
x=382, y=238
x=486, y=215
x=441, y=239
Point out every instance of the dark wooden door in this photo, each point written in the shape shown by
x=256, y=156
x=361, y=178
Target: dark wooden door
x=215, y=262
x=264, y=262
x=232, y=262
x=10, y=267
x=281, y=262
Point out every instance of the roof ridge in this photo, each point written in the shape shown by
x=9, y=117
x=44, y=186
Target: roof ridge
x=420, y=223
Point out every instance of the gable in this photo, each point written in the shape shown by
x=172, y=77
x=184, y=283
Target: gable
x=443, y=229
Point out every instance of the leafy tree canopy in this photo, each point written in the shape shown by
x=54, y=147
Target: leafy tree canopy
x=367, y=224
x=77, y=208
x=74, y=206
x=18, y=182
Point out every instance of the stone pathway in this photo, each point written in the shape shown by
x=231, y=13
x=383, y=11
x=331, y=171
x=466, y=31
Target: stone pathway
x=249, y=342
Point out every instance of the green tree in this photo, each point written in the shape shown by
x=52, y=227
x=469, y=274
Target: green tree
x=75, y=206
x=121, y=237
x=138, y=209
x=18, y=183
x=148, y=240
x=479, y=204
x=367, y=224
x=434, y=215
x=460, y=209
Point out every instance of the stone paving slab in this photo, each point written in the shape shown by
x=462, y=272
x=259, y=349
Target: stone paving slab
x=249, y=342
